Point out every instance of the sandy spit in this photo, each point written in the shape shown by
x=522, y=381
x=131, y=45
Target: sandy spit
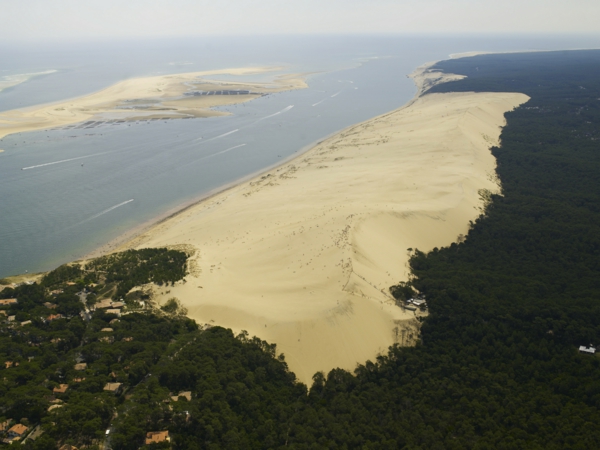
x=147, y=97
x=9, y=81
x=303, y=256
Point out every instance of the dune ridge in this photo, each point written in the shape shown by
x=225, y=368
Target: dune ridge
x=303, y=255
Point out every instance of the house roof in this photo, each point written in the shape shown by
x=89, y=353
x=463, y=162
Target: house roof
x=106, y=303
x=185, y=394
x=585, y=349
x=112, y=387
x=61, y=389
x=156, y=436
x=18, y=429
x=8, y=301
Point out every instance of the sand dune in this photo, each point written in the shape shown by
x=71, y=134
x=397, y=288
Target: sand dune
x=303, y=256
x=147, y=97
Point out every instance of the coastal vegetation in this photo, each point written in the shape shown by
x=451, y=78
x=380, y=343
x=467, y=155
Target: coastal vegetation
x=63, y=341
x=497, y=366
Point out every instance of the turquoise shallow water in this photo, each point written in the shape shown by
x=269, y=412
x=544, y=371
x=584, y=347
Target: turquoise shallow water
x=82, y=187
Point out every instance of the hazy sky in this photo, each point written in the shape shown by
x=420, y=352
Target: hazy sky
x=35, y=19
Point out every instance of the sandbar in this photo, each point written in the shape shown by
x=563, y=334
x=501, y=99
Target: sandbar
x=165, y=96
x=9, y=81
x=303, y=256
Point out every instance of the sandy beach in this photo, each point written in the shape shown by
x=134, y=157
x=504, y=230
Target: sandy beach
x=149, y=97
x=303, y=256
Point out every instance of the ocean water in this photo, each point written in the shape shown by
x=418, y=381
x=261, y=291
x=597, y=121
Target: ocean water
x=64, y=193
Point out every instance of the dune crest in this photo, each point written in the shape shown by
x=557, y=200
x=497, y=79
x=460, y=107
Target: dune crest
x=303, y=255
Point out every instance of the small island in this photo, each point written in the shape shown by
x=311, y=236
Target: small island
x=174, y=96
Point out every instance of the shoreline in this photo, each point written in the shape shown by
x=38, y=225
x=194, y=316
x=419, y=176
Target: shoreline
x=302, y=255
x=181, y=208
x=114, y=244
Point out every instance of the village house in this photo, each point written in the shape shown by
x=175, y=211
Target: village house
x=17, y=431
x=107, y=330
x=417, y=301
x=106, y=303
x=115, y=388
x=52, y=317
x=68, y=447
x=116, y=312
x=27, y=322
x=185, y=394
x=50, y=305
x=8, y=301
x=61, y=389
x=589, y=350
x=155, y=437
x=5, y=425
x=80, y=366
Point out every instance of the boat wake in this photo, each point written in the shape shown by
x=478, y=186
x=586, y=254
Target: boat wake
x=63, y=161
x=95, y=216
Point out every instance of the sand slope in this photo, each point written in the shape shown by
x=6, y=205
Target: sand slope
x=147, y=97
x=303, y=256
